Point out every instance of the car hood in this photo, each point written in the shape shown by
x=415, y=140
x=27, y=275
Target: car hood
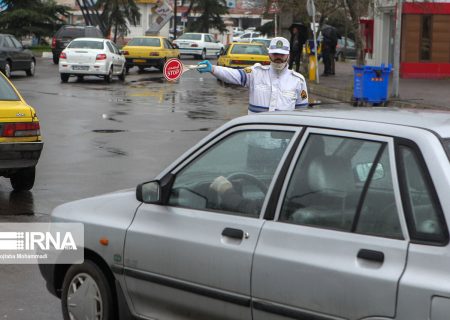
x=113, y=210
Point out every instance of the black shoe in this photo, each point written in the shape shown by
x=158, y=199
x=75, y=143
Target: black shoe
x=324, y=74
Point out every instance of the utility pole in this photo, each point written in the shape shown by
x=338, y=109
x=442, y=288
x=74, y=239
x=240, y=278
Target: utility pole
x=397, y=45
x=175, y=19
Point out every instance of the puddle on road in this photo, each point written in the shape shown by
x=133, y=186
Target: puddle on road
x=108, y=130
x=114, y=151
x=195, y=130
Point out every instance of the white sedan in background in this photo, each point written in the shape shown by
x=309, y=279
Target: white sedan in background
x=91, y=57
x=200, y=45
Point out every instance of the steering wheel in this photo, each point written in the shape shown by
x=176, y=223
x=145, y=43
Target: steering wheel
x=249, y=178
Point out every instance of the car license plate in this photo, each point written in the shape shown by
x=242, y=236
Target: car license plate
x=139, y=60
x=80, y=67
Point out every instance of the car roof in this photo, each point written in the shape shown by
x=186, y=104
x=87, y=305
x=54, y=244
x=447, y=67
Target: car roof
x=436, y=121
x=91, y=39
x=248, y=43
x=149, y=37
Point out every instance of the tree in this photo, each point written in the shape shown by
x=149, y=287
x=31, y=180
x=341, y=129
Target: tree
x=26, y=17
x=356, y=10
x=211, y=12
x=117, y=14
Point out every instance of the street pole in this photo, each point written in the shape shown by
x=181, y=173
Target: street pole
x=175, y=20
x=276, y=24
x=313, y=14
x=397, y=45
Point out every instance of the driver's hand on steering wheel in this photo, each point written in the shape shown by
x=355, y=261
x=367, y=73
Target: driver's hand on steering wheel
x=221, y=185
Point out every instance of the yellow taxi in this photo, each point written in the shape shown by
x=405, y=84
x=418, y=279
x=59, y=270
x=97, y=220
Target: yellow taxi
x=149, y=51
x=20, y=139
x=241, y=55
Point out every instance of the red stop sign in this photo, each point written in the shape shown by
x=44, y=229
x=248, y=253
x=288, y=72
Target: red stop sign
x=173, y=69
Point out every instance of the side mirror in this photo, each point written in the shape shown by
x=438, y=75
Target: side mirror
x=25, y=46
x=156, y=191
x=175, y=46
x=362, y=171
x=149, y=192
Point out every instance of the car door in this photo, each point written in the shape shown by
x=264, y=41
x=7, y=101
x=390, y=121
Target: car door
x=11, y=52
x=338, y=244
x=23, y=57
x=115, y=61
x=119, y=60
x=191, y=258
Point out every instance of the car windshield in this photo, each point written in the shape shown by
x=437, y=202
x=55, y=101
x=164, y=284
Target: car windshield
x=145, y=42
x=6, y=91
x=191, y=36
x=86, y=44
x=248, y=49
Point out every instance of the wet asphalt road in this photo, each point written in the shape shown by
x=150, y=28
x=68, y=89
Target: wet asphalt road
x=101, y=138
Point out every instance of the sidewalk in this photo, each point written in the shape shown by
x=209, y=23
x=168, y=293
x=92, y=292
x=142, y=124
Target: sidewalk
x=430, y=93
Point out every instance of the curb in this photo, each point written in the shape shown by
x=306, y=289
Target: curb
x=346, y=95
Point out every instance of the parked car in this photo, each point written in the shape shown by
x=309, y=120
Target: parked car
x=67, y=33
x=14, y=56
x=145, y=52
x=247, y=36
x=345, y=53
x=20, y=139
x=323, y=214
x=91, y=57
x=241, y=55
x=200, y=45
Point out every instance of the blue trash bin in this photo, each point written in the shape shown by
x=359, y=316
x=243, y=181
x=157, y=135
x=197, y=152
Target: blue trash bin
x=371, y=83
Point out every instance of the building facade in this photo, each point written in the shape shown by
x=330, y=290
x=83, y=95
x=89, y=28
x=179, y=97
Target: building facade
x=425, y=37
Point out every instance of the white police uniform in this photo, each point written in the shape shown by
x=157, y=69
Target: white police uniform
x=270, y=90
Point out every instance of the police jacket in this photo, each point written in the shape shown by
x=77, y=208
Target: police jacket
x=269, y=90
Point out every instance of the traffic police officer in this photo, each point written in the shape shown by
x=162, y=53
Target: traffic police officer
x=273, y=87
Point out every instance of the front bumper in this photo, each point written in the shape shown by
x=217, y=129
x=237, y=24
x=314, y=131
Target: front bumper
x=88, y=69
x=19, y=154
x=144, y=62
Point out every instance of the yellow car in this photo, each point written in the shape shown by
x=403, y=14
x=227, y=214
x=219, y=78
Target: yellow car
x=241, y=55
x=145, y=52
x=20, y=140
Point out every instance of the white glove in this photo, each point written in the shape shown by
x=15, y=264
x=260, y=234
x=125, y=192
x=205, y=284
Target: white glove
x=221, y=184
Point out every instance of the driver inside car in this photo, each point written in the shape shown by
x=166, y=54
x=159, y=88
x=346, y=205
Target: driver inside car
x=231, y=200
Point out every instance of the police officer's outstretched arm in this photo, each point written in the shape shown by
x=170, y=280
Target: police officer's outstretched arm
x=228, y=75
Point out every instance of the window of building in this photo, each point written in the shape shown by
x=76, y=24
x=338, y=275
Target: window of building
x=425, y=37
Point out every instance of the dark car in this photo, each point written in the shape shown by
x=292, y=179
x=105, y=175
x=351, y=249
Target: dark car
x=67, y=33
x=14, y=56
x=345, y=53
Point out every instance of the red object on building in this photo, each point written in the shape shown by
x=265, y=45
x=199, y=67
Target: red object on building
x=367, y=34
x=425, y=50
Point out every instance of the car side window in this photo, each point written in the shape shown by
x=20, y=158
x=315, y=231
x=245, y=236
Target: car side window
x=110, y=47
x=1, y=41
x=116, y=50
x=426, y=222
x=167, y=44
x=16, y=43
x=333, y=186
x=247, y=159
x=7, y=43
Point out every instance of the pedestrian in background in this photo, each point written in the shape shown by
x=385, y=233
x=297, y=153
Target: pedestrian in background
x=298, y=39
x=273, y=87
x=329, y=43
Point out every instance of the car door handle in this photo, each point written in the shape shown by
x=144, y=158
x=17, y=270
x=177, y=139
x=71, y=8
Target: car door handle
x=372, y=255
x=233, y=233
